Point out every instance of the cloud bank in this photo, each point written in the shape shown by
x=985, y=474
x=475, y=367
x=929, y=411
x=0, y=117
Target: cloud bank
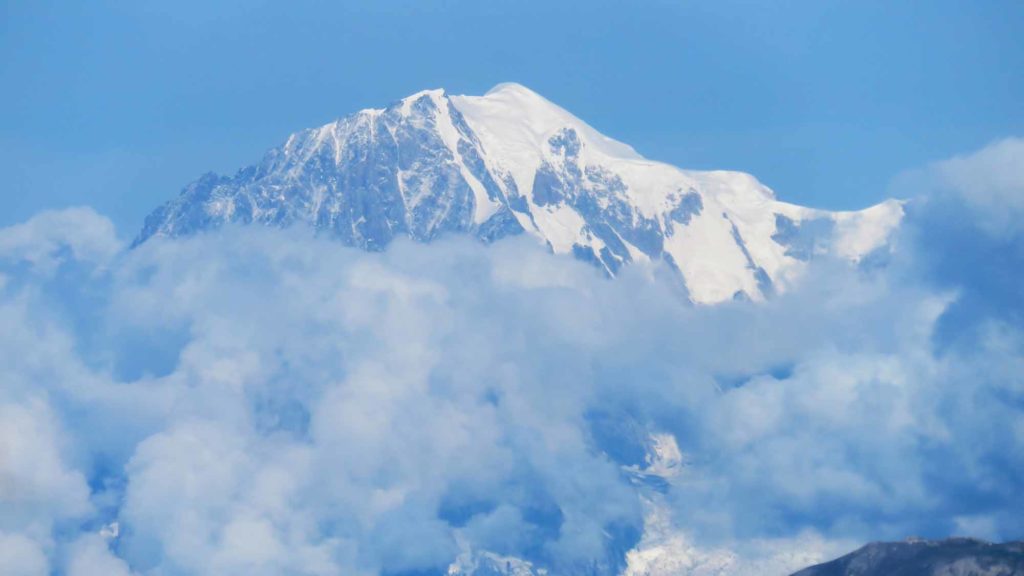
x=258, y=401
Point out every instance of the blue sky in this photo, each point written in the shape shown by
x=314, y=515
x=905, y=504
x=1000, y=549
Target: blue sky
x=263, y=401
x=118, y=105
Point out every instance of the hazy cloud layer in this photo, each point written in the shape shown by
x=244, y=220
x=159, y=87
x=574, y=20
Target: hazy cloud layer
x=264, y=402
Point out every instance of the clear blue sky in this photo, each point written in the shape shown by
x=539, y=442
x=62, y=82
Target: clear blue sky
x=119, y=104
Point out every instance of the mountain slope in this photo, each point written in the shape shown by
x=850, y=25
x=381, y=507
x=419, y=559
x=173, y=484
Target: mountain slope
x=511, y=162
x=951, y=557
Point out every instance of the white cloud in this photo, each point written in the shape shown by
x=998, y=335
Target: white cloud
x=86, y=235
x=256, y=401
x=89, y=556
x=22, y=556
x=37, y=488
x=990, y=182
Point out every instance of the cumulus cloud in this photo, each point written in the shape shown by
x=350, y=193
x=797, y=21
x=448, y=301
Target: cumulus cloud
x=90, y=556
x=258, y=401
x=989, y=182
x=968, y=237
x=82, y=233
x=22, y=556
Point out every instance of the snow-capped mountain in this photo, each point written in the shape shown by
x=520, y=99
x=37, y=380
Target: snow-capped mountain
x=511, y=162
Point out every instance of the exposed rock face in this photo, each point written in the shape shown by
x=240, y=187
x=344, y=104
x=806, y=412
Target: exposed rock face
x=951, y=557
x=511, y=162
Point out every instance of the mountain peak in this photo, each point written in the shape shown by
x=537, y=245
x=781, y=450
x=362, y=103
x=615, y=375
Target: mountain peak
x=436, y=95
x=518, y=117
x=512, y=162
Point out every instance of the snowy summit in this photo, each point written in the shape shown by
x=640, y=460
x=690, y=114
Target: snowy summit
x=511, y=162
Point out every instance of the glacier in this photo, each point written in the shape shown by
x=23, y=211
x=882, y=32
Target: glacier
x=511, y=162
